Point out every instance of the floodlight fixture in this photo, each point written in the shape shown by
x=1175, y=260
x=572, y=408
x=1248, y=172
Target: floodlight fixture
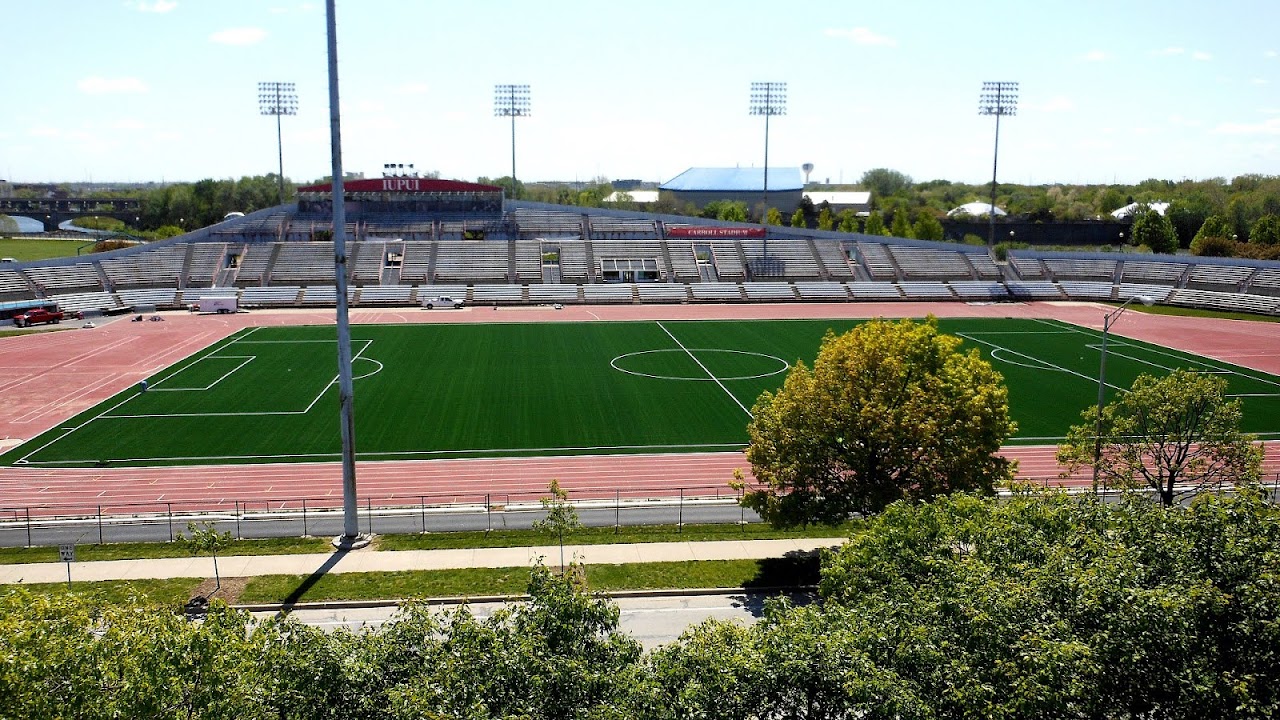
x=278, y=98
x=768, y=99
x=997, y=98
x=512, y=101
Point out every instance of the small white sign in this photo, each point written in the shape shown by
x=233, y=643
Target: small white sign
x=67, y=553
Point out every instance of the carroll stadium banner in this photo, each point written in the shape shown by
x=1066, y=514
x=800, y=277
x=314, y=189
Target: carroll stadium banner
x=698, y=231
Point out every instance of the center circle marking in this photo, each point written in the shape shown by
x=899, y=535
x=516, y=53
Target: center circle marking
x=783, y=365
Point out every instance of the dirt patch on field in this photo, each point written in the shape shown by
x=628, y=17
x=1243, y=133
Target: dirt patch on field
x=230, y=592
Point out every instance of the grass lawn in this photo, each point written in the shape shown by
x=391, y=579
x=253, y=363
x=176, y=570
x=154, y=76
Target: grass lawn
x=475, y=390
x=24, y=249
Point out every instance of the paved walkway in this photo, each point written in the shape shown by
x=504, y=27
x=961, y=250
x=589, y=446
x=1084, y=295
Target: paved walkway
x=392, y=561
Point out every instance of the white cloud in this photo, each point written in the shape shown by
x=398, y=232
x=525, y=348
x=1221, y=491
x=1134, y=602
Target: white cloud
x=239, y=36
x=1095, y=56
x=1170, y=51
x=1266, y=127
x=45, y=131
x=1179, y=121
x=1259, y=81
x=413, y=88
x=95, y=85
x=861, y=36
x=1201, y=56
x=159, y=6
x=128, y=124
x=1269, y=54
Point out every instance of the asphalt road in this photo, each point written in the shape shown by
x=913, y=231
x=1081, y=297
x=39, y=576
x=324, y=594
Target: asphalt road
x=653, y=621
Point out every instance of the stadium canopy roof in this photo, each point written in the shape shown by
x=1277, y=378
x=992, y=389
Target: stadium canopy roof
x=403, y=184
x=734, y=180
x=1131, y=208
x=976, y=209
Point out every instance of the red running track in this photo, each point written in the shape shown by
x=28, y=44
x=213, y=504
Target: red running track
x=49, y=377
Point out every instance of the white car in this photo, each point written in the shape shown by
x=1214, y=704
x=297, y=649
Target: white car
x=443, y=301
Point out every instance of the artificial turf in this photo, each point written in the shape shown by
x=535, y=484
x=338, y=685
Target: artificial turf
x=469, y=390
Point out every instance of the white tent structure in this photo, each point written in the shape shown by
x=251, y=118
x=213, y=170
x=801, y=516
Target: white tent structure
x=1131, y=208
x=975, y=209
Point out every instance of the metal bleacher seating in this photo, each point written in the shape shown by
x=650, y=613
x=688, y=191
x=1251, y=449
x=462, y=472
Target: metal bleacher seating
x=253, y=265
x=161, y=267
x=65, y=278
x=1034, y=290
x=385, y=295
x=609, y=228
x=1158, y=293
x=541, y=223
x=608, y=293
x=471, y=261
x=984, y=266
x=768, y=291
x=89, y=301
x=1231, y=302
x=1086, y=290
x=415, y=265
x=783, y=258
x=366, y=259
x=14, y=287
x=320, y=295
x=1223, y=278
x=684, y=264
x=874, y=290
x=573, y=261
x=925, y=290
x=728, y=261
x=929, y=264
x=205, y=261
x=820, y=290
x=716, y=292
x=159, y=297
x=553, y=293
x=528, y=261
x=663, y=292
x=1152, y=273
x=835, y=258
x=1266, y=282
x=270, y=296
x=1074, y=269
x=491, y=294
x=979, y=290
x=1027, y=268
x=301, y=263
x=876, y=259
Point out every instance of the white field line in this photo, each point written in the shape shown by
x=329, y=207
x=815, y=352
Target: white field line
x=246, y=358
x=705, y=370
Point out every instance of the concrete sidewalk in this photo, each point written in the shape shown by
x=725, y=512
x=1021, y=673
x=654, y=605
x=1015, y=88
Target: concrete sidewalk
x=392, y=561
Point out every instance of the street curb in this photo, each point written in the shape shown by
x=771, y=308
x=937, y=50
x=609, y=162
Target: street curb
x=476, y=599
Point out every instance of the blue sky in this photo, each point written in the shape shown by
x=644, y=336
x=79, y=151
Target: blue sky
x=1118, y=91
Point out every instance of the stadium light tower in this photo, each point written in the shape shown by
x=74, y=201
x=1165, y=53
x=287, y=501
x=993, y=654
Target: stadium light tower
x=768, y=99
x=512, y=101
x=278, y=98
x=997, y=98
x=350, y=537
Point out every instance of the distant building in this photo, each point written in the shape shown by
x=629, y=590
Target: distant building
x=857, y=201
x=643, y=197
x=701, y=186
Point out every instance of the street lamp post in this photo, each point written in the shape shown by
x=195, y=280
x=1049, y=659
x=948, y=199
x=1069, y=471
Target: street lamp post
x=1102, y=378
x=512, y=101
x=278, y=98
x=768, y=99
x=997, y=98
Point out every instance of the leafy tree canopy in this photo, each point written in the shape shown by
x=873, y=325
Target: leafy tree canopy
x=890, y=410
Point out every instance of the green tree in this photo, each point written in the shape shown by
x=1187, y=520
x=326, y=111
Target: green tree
x=901, y=227
x=826, y=220
x=204, y=538
x=1265, y=231
x=773, y=217
x=1154, y=230
x=1174, y=435
x=875, y=224
x=883, y=182
x=889, y=411
x=928, y=227
x=560, y=517
x=848, y=221
x=798, y=219
x=1215, y=238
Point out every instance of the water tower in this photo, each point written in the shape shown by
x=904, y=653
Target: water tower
x=807, y=168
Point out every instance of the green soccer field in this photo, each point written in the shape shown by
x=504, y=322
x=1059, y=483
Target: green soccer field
x=481, y=390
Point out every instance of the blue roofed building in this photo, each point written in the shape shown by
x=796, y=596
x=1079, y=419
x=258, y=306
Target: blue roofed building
x=701, y=186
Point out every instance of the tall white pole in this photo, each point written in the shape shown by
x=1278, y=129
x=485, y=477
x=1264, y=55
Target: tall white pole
x=346, y=395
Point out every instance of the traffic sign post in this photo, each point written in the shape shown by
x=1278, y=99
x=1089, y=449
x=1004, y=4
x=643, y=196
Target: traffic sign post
x=67, y=553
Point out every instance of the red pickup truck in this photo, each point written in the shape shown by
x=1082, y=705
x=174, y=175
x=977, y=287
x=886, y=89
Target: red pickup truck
x=35, y=316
